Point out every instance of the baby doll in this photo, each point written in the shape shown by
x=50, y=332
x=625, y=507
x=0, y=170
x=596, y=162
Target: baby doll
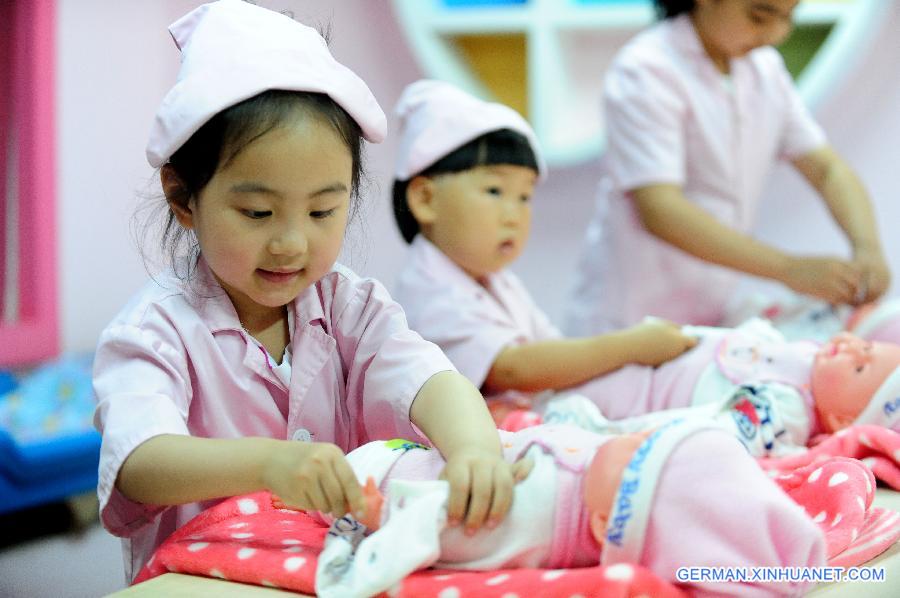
x=771, y=393
x=589, y=499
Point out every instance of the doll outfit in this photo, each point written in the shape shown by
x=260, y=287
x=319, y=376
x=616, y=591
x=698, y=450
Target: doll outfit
x=670, y=120
x=176, y=360
x=749, y=379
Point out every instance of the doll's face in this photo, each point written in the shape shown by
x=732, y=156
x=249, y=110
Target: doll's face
x=603, y=477
x=846, y=373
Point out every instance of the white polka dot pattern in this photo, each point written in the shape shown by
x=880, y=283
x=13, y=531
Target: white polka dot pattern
x=294, y=563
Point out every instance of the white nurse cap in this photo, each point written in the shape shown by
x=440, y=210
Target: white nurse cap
x=231, y=51
x=437, y=118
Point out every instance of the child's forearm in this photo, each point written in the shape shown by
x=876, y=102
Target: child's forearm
x=449, y=398
x=173, y=470
x=562, y=363
x=844, y=194
x=668, y=215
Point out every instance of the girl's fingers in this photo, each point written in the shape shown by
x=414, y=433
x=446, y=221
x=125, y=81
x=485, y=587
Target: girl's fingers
x=459, y=481
x=314, y=499
x=333, y=492
x=351, y=491
x=521, y=469
x=480, y=496
x=502, y=495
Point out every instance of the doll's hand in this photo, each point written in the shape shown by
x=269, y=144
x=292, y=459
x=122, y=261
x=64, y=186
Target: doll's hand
x=876, y=277
x=481, y=485
x=656, y=341
x=313, y=476
x=835, y=280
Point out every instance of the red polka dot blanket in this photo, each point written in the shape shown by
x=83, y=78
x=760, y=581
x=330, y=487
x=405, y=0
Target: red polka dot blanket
x=246, y=539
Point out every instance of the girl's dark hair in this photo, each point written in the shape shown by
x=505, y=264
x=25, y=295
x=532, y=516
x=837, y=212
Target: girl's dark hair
x=503, y=146
x=227, y=133
x=667, y=9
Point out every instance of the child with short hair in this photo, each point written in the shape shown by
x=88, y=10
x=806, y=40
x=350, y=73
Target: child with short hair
x=257, y=362
x=466, y=171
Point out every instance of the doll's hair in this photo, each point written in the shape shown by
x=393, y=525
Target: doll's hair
x=667, y=9
x=224, y=136
x=503, y=146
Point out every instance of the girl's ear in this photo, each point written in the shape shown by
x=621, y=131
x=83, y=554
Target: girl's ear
x=420, y=199
x=173, y=189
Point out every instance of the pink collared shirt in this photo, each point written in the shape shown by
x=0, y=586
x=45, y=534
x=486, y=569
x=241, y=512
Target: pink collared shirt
x=672, y=118
x=176, y=360
x=471, y=323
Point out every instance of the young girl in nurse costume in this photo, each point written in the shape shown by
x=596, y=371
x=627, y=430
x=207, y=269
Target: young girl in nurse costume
x=260, y=362
x=698, y=110
x=465, y=174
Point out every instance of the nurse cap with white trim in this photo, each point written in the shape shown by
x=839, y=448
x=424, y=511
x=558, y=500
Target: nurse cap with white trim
x=231, y=51
x=437, y=118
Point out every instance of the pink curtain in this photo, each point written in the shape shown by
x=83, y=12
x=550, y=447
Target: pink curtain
x=27, y=87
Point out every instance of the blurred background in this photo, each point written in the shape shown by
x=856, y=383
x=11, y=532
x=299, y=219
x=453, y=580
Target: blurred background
x=71, y=259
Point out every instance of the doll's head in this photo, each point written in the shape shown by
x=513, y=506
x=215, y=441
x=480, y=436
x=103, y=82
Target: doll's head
x=732, y=28
x=602, y=479
x=466, y=170
x=259, y=144
x=849, y=376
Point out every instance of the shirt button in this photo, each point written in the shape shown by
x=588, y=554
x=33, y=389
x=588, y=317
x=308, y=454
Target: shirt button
x=302, y=435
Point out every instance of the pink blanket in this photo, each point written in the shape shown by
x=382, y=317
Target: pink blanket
x=246, y=539
x=875, y=446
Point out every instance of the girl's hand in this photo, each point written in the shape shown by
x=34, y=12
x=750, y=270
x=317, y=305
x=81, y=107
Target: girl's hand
x=314, y=476
x=656, y=341
x=481, y=485
x=876, y=277
x=835, y=280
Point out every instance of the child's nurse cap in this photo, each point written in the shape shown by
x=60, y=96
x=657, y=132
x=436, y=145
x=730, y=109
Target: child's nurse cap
x=231, y=51
x=437, y=118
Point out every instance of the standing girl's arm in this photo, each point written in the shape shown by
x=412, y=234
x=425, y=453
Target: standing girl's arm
x=667, y=214
x=849, y=204
x=453, y=415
